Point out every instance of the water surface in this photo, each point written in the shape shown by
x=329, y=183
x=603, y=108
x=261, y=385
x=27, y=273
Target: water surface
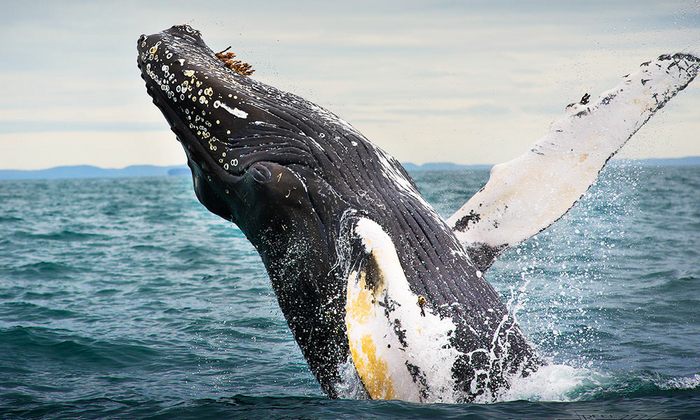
x=125, y=297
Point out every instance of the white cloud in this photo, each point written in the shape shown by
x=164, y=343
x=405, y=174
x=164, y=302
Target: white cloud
x=476, y=82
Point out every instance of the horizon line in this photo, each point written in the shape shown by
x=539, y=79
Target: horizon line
x=184, y=165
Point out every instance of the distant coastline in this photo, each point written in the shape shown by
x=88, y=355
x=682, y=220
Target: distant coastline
x=88, y=171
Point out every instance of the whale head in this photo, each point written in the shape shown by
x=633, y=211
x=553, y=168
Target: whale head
x=208, y=108
x=254, y=151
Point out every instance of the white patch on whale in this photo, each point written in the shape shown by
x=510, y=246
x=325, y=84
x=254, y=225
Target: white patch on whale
x=384, y=360
x=234, y=111
x=527, y=194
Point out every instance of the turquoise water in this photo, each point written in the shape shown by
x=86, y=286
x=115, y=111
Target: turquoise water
x=125, y=297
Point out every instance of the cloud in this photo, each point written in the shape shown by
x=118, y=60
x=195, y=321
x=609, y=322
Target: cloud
x=478, y=81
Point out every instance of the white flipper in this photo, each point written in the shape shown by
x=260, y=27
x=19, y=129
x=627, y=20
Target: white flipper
x=400, y=349
x=529, y=193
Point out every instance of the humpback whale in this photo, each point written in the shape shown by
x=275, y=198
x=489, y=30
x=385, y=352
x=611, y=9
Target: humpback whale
x=386, y=299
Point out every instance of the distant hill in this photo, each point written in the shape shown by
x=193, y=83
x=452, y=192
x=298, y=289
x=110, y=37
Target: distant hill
x=684, y=161
x=179, y=171
x=87, y=171
x=442, y=166
x=449, y=166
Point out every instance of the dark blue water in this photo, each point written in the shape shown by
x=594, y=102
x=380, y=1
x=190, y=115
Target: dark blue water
x=126, y=298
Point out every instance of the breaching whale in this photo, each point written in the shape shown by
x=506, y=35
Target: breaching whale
x=385, y=298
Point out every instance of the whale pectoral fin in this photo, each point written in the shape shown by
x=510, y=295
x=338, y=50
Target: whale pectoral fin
x=399, y=345
x=527, y=194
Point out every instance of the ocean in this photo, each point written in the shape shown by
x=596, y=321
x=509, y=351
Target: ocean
x=127, y=298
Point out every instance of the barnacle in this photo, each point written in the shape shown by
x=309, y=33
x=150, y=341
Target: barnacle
x=238, y=66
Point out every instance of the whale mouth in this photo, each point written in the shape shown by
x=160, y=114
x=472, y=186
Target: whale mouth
x=194, y=150
x=206, y=173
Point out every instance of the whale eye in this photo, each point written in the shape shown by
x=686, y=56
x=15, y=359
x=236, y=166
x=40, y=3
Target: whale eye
x=260, y=173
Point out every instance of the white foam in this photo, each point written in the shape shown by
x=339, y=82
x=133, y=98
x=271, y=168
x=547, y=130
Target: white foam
x=350, y=385
x=549, y=383
x=687, y=382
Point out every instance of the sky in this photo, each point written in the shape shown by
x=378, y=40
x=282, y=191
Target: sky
x=460, y=81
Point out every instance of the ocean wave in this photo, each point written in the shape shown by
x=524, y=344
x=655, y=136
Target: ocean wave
x=562, y=383
x=62, y=235
x=43, y=269
x=49, y=344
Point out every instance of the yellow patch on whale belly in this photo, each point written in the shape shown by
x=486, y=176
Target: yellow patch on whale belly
x=372, y=369
x=359, y=304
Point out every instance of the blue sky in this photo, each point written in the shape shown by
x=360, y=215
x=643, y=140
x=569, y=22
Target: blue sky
x=469, y=82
